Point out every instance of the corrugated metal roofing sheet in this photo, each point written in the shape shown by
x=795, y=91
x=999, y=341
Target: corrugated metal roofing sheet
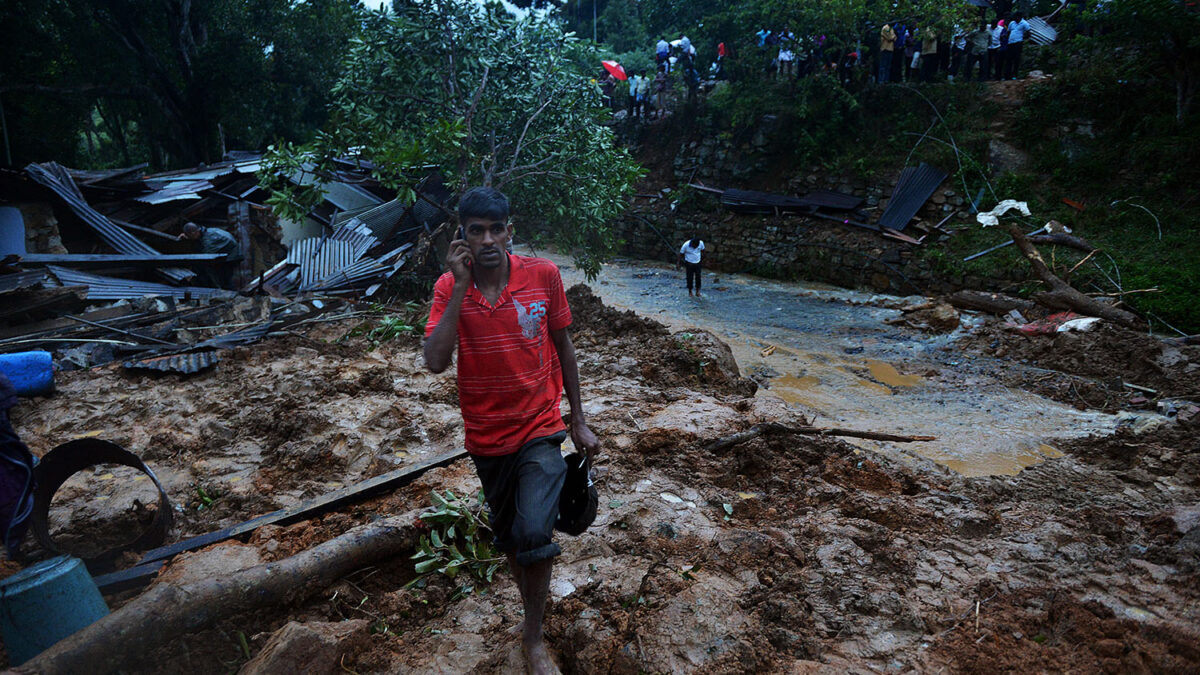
x=1041, y=32
x=22, y=280
x=320, y=258
x=342, y=195
x=111, y=288
x=383, y=218
x=838, y=201
x=249, y=165
x=913, y=189
x=191, y=362
x=175, y=190
x=59, y=180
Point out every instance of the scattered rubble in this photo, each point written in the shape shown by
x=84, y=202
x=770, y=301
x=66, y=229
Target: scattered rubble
x=785, y=552
x=347, y=248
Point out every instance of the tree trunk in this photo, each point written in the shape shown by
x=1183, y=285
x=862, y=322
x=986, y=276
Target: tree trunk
x=165, y=611
x=993, y=303
x=1062, y=295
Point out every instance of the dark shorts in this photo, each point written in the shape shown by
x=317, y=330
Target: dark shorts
x=522, y=490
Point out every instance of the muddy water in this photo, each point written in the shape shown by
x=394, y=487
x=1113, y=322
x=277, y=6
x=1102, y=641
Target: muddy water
x=829, y=352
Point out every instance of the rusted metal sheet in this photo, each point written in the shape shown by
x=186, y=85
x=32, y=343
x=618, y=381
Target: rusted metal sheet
x=192, y=362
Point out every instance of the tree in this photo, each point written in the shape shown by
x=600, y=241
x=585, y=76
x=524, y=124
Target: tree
x=1166, y=31
x=487, y=98
x=174, y=77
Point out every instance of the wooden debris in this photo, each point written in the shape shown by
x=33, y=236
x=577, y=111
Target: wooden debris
x=1061, y=294
x=166, y=611
x=992, y=303
x=775, y=428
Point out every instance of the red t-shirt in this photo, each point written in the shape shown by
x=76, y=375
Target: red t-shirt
x=509, y=380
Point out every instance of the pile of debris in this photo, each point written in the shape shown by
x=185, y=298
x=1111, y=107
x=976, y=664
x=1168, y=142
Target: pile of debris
x=93, y=267
x=913, y=188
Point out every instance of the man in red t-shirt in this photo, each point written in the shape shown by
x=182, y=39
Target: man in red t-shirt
x=508, y=316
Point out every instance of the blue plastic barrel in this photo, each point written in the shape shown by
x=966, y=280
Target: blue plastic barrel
x=31, y=373
x=45, y=603
x=12, y=231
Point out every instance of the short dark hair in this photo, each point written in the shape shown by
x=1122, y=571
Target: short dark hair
x=483, y=202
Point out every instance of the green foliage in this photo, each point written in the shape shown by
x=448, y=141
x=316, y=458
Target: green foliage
x=487, y=99
x=458, y=544
x=810, y=116
x=206, y=497
x=1164, y=33
x=118, y=81
x=621, y=26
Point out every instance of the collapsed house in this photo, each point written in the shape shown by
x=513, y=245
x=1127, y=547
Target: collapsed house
x=92, y=267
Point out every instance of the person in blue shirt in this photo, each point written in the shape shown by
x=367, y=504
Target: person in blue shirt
x=1017, y=32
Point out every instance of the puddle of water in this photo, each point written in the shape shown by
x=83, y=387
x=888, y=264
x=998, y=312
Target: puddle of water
x=1010, y=463
x=1050, y=451
x=795, y=383
x=887, y=374
x=982, y=427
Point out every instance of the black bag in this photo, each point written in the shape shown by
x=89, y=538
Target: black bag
x=579, y=500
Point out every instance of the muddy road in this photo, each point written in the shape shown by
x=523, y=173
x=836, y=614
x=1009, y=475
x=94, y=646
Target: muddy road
x=831, y=353
x=786, y=553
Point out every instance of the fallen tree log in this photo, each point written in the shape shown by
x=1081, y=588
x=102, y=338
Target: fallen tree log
x=993, y=303
x=165, y=611
x=776, y=428
x=1062, y=295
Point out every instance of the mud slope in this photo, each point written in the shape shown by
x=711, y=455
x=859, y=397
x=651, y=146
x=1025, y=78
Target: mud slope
x=782, y=554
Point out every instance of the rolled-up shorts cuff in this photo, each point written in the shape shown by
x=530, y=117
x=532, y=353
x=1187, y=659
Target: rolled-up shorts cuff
x=526, y=558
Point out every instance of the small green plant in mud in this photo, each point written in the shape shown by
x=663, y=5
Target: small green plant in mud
x=409, y=320
x=458, y=543
x=206, y=497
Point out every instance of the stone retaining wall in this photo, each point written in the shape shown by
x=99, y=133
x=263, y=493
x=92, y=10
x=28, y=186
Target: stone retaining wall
x=788, y=247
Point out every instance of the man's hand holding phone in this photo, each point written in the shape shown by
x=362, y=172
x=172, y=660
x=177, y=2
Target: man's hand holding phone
x=459, y=258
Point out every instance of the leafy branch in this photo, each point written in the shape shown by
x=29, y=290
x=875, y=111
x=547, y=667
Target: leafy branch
x=458, y=545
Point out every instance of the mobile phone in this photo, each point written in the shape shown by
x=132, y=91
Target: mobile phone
x=460, y=234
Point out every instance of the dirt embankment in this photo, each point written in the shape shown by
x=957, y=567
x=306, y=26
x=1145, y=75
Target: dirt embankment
x=781, y=554
x=1095, y=369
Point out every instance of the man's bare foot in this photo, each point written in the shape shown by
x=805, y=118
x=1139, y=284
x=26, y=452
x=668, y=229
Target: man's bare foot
x=538, y=658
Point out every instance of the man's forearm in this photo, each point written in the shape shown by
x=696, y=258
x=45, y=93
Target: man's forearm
x=440, y=345
x=570, y=375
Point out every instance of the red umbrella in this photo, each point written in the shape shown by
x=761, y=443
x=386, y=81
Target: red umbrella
x=616, y=69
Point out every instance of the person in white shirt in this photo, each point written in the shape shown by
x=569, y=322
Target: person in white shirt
x=689, y=255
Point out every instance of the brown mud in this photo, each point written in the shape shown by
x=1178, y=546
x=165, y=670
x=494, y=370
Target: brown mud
x=1094, y=369
x=783, y=554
